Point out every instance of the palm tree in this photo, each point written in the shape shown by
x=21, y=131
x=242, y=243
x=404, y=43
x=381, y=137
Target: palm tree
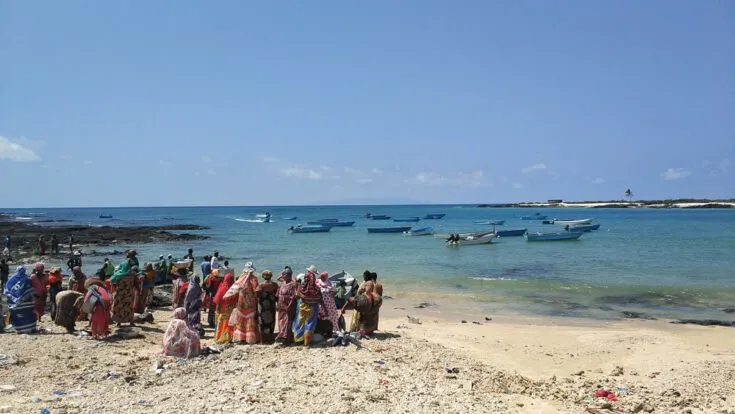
x=628, y=195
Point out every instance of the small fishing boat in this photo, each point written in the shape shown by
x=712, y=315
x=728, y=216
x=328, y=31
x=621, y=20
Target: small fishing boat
x=388, y=229
x=547, y=222
x=425, y=231
x=264, y=215
x=434, y=216
x=310, y=229
x=407, y=220
x=490, y=222
x=573, y=222
x=444, y=236
x=326, y=220
x=471, y=241
x=511, y=233
x=553, y=236
x=105, y=216
x=290, y=218
x=343, y=276
x=332, y=223
x=380, y=217
x=536, y=216
x=584, y=229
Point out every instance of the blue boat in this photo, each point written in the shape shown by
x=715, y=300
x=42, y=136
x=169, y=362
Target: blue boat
x=332, y=223
x=547, y=222
x=388, y=229
x=536, y=216
x=424, y=231
x=584, y=229
x=289, y=218
x=511, y=233
x=326, y=221
x=407, y=220
x=106, y=216
x=553, y=236
x=434, y=216
x=310, y=229
x=380, y=217
x=490, y=222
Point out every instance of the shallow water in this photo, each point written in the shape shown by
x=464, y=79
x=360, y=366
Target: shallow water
x=664, y=263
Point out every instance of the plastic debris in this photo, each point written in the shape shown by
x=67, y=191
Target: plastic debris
x=413, y=320
x=45, y=411
x=7, y=388
x=113, y=375
x=258, y=384
x=181, y=361
x=59, y=393
x=276, y=364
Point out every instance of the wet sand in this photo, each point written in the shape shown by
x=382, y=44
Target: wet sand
x=507, y=364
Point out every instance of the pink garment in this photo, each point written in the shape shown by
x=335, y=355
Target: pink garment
x=179, y=340
x=329, y=310
x=39, y=286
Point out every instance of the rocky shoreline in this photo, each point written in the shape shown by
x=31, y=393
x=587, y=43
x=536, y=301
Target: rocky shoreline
x=24, y=236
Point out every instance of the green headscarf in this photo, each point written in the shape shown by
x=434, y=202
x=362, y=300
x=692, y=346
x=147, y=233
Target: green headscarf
x=122, y=270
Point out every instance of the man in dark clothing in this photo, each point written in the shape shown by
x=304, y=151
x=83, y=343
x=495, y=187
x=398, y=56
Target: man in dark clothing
x=4, y=273
x=54, y=244
x=190, y=256
x=74, y=261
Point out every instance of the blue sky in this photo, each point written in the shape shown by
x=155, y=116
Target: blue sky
x=252, y=103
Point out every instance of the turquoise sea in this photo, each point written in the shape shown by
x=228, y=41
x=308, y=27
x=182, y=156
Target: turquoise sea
x=670, y=263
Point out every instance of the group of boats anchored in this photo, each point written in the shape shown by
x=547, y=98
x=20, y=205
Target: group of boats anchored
x=572, y=229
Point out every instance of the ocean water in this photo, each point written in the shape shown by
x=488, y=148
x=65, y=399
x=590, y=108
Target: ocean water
x=663, y=263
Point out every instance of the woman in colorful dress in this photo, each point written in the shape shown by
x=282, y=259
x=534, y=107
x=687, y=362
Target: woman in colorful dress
x=366, y=306
x=308, y=298
x=55, y=286
x=244, y=317
x=146, y=282
x=179, y=277
x=39, y=282
x=224, y=307
x=211, y=286
x=68, y=306
x=77, y=279
x=193, y=306
x=124, y=281
x=284, y=306
x=329, y=310
x=366, y=286
x=179, y=340
x=98, y=302
x=20, y=299
x=267, y=308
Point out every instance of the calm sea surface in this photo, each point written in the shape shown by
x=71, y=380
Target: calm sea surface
x=665, y=263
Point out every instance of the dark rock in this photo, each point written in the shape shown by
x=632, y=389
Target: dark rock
x=637, y=315
x=704, y=322
x=729, y=310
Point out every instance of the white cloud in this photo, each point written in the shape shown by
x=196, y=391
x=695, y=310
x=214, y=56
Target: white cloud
x=14, y=151
x=598, y=180
x=87, y=162
x=461, y=179
x=675, y=173
x=164, y=163
x=303, y=173
x=206, y=158
x=270, y=160
x=724, y=165
x=706, y=163
x=354, y=172
x=377, y=171
x=212, y=171
x=364, y=180
x=534, y=168
x=503, y=179
x=517, y=186
x=326, y=168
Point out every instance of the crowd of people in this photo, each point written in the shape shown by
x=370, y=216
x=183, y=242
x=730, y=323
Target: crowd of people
x=243, y=310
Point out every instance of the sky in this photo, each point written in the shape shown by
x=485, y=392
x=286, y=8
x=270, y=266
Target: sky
x=171, y=103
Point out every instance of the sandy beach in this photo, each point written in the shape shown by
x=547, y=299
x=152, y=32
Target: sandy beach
x=505, y=364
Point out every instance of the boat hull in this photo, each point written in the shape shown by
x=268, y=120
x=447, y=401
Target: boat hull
x=511, y=233
x=320, y=229
x=380, y=217
x=573, y=222
x=407, y=220
x=289, y=218
x=553, y=236
x=388, y=229
x=534, y=217
x=426, y=231
x=437, y=216
x=472, y=241
x=584, y=229
x=332, y=223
